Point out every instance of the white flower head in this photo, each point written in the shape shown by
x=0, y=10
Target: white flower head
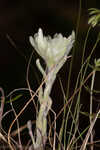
x=52, y=49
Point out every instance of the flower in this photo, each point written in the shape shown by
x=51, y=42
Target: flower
x=52, y=49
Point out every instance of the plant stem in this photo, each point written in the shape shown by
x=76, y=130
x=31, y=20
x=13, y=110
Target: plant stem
x=91, y=106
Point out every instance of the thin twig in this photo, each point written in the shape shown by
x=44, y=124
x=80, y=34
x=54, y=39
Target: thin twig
x=2, y=104
x=27, y=79
x=83, y=147
x=19, y=138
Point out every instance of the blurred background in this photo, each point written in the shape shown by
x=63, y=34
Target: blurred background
x=21, y=18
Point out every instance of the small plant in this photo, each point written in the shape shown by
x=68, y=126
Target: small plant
x=54, y=52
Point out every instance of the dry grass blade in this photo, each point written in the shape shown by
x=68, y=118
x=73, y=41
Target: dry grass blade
x=89, y=132
x=2, y=104
x=3, y=138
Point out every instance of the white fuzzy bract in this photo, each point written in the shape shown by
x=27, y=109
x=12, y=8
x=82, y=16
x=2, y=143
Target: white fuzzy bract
x=52, y=49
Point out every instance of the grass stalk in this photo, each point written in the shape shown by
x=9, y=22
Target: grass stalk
x=91, y=107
